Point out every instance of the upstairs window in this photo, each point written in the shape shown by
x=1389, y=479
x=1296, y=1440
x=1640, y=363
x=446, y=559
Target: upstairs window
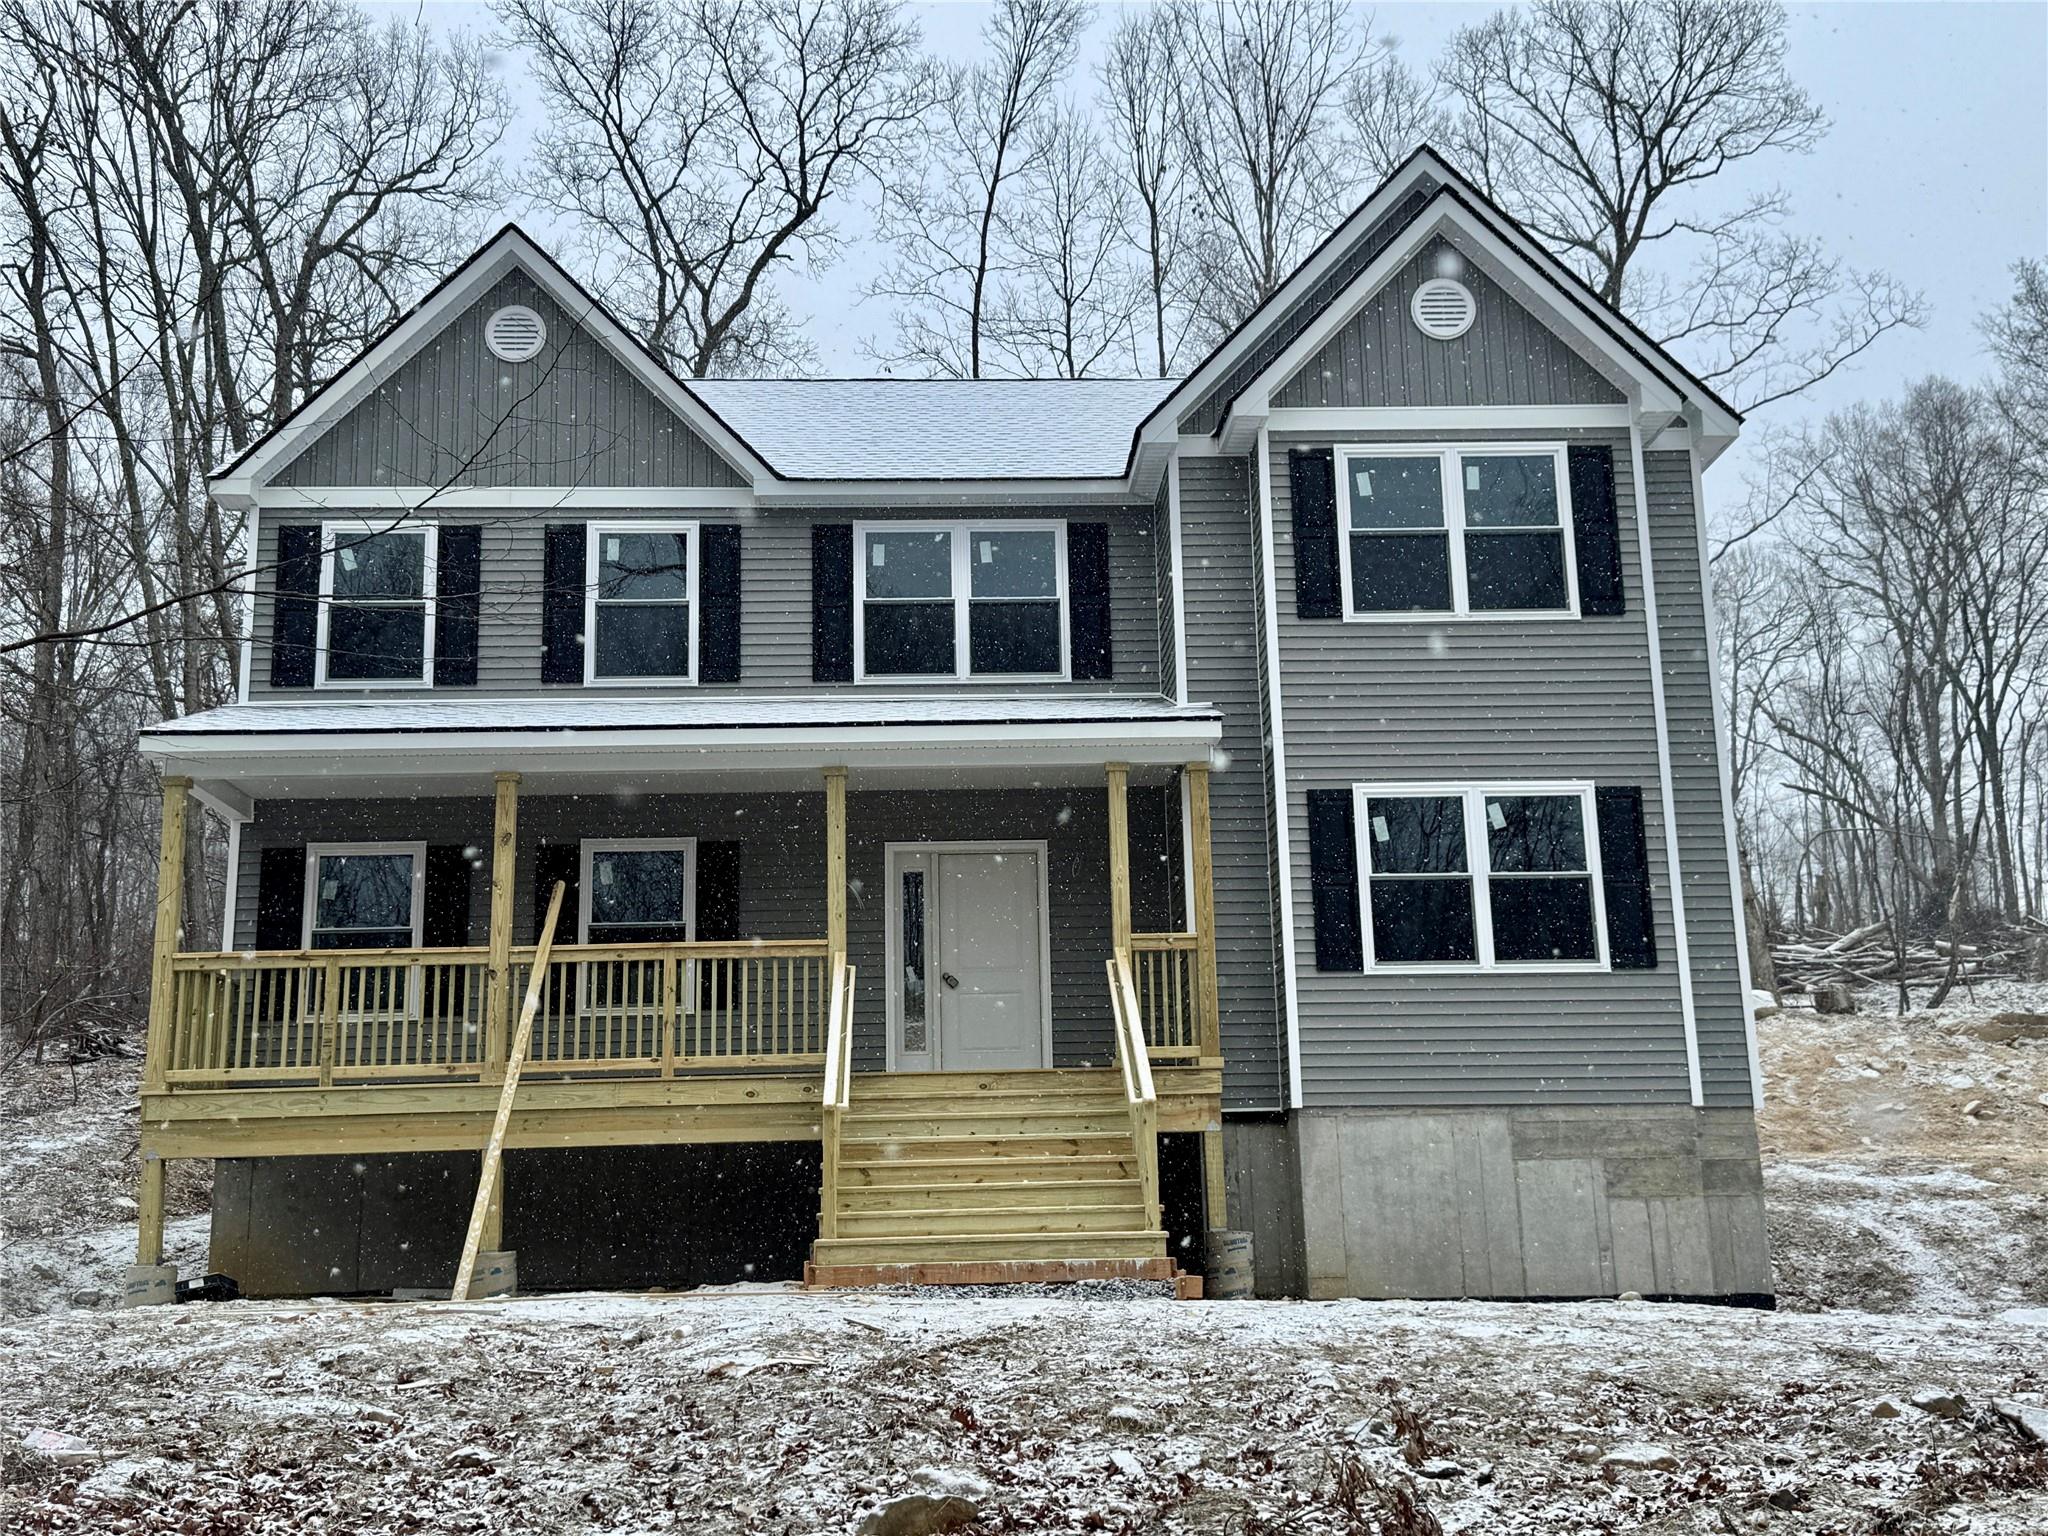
x=376, y=605
x=1460, y=878
x=960, y=601
x=1476, y=530
x=640, y=612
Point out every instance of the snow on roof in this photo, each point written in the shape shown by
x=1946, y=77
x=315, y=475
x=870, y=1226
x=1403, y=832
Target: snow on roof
x=937, y=429
x=823, y=712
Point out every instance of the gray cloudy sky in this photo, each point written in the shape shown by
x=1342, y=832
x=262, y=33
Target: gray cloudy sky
x=1936, y=167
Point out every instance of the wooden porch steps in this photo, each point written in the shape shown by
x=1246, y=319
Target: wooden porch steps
x=987, y=1178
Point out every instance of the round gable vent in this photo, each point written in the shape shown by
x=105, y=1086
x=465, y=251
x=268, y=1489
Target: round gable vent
x=1444, y=308
x=515, y=333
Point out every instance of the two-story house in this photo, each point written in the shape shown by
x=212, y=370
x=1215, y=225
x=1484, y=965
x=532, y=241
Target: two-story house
x=1002, y=829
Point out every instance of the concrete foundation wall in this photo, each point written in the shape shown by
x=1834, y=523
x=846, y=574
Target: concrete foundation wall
x=619, y=1218
x=1262, y=1189
x=1544, y=1203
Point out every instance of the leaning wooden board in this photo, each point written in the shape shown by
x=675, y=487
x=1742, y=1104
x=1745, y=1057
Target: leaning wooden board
x=494, y=1149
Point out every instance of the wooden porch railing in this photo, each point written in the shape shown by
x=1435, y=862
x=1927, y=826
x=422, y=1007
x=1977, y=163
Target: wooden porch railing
x=1176, y=1012
x=330, y=1016
x=1133, y=1060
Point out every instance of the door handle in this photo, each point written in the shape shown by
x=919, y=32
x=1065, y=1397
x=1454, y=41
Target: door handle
x=950, y=980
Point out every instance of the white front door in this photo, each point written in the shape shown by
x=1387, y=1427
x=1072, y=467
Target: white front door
x=967, y=994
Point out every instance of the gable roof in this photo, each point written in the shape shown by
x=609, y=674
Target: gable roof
x=937, y=429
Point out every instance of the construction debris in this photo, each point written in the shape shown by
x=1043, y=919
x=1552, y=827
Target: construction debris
x=1869, y=956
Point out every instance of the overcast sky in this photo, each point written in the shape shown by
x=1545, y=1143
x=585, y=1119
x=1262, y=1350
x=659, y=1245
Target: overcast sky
x=1936, y=167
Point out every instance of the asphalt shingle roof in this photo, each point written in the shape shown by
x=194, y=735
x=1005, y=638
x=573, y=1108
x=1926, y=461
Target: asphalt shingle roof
x=937, y=429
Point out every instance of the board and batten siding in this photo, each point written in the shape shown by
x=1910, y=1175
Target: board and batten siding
x=1279, y=332
x=1219, y=567
x=1463, y=701
x=1689, y=680
x=1379, y=357
x=1162, y=590
x=454, y=415
x=781, y=869
x=775, y=609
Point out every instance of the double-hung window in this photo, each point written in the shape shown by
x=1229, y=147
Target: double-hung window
x=639, y=890
x=376, y=604
x=1480, y=878
x=1455, y=530
x=364, y=895
x=641, y=604
x=960, y=600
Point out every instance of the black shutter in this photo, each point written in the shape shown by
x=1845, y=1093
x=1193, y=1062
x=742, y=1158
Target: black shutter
x=561, y=604
x=718, y=892
x=1625, y=878
x=1312, y=490
x=1088, y=600
x=446, y=924
x=458, y=589
x=553, y=862
x=281, y=898
x=718, y=591
x=1333, y=880
x=295, y=610
x=1596, y=530
x=832, y=603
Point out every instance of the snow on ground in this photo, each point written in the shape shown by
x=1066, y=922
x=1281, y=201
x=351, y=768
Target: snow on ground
x=1907, y=1169
x=749, y=1413
x=1906, y=1159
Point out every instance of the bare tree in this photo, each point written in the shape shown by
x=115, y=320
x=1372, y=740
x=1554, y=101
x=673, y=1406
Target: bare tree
x=1070, y=303
x=1604, y=125
x=702, y=147
x=947, y=224
x=1142, y=99
x=1262, y=134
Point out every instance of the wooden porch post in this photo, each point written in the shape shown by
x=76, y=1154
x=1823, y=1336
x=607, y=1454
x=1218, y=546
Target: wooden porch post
x=156, y=1050
x=498, y=974
x=1203, y=875
x=835, y=861
x=170, y=918
x=1119, y=859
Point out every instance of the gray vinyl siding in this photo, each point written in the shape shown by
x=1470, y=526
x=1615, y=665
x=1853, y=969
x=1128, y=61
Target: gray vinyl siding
x=1689, y=679
x=1380, y=357
x=1163, y=592
x=1219, y=566
x=1280, y=331
x=782, y=867
x=775, y=614
x=454, y=415
x=1464, y=701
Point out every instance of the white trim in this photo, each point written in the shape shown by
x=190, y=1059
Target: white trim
x=1283, y=849
x=592, y=533
x=1180, y=597
x=1479, y=873
x=316, y=851
x=1448, y=418
x=960, y=557
x=1725, y=752
x=568, y=498
x=1450, y=457
x=231, y=886
x=589, y=845
x=331, y=533
x=1668, y=794
x=892, y=940
x=245, y=663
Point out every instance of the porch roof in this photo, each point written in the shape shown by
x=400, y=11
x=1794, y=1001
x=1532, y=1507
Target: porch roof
x=574, y=744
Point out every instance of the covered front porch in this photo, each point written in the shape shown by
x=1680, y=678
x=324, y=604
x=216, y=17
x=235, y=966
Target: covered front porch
x=1042, y=926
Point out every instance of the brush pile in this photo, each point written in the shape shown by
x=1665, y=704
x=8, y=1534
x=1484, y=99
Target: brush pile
x=1869, y=956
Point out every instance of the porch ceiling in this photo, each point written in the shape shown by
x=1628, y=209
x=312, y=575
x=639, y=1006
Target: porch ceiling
x=330, y=748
